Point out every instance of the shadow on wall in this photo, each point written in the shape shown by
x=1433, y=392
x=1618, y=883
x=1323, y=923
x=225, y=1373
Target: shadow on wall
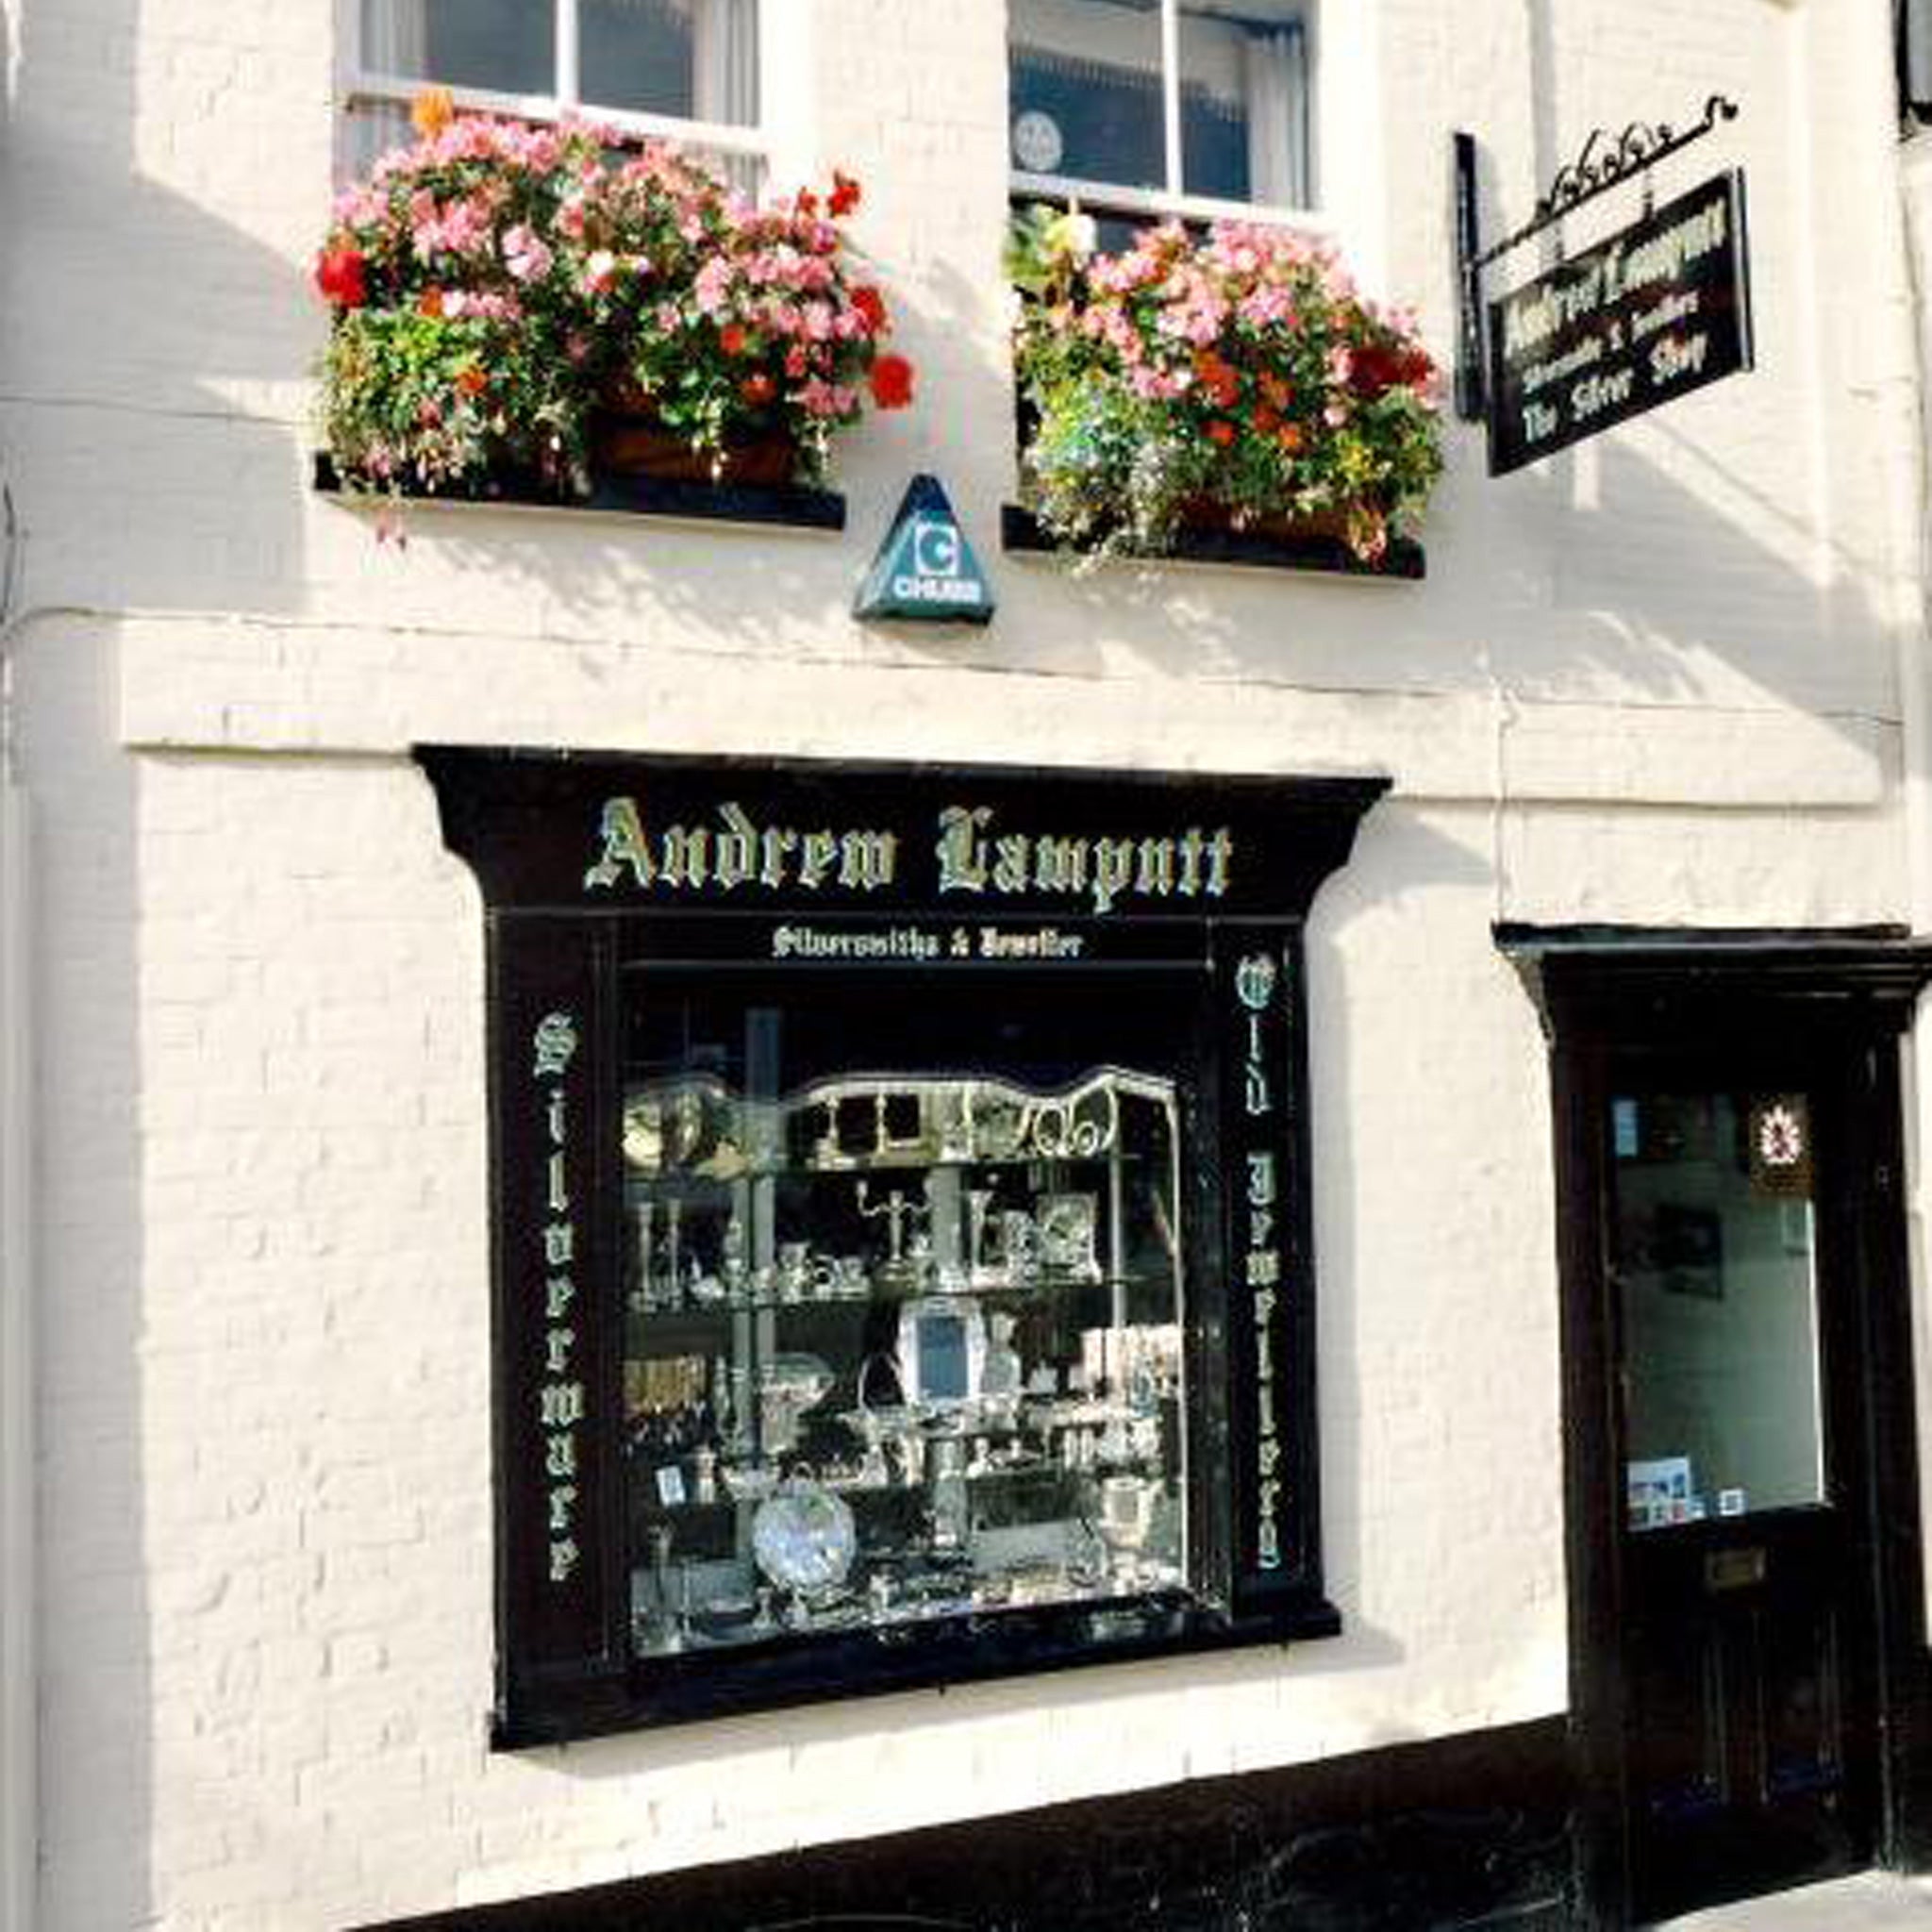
x=147, y=346
x=97, y=1552
x=1641, y=569
x=154, y=351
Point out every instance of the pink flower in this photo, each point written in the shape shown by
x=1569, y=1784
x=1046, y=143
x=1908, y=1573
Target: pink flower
x=712, y=288
x=1154, y=386
x=526, y=253
x=1266, y=305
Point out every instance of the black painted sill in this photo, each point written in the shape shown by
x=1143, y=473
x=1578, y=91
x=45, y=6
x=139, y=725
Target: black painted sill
x=789, y=505
x=701, y=1686
x=1404, y=561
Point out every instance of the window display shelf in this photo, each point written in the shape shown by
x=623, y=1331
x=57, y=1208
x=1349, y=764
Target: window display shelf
x=988, y=1406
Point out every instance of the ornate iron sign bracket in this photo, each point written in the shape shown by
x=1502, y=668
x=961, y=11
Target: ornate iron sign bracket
x=1604, y=161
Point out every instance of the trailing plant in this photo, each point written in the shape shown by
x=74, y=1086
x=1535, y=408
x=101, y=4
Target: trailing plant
x=1239, y=376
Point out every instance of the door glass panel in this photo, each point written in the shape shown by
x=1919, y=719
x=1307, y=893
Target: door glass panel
x=1712, y=1250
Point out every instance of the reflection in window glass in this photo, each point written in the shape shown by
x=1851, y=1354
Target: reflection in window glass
x=1085, y=98
x=1243, y=102
x=508, y=46
x=1712, y=1252
x=1089, y=89
x=636, y=54
x=689, y=58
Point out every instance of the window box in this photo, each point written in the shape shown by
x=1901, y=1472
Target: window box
x=788, y=506
x=1322, y=550
x=1237, y=376
x=901, y=1222
x=500, y=293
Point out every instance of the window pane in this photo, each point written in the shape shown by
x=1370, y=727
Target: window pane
x=508, y=46
x=374, y=129
x=687, y=58
x=1085, y=91
x=1712, y=1254
x=1243, y=101
x=636, y=53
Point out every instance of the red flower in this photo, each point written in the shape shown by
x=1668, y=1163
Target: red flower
x=757, y=390
x=844, y=195
x=429, y=303
x=1377, y=369
x=731, y=338
x=1221, y=431
x=871, y=305
x=341, y=274
x=796, y=360
x=807, y=202
x=1221, y=381
x=471, y=380
x=892, y=382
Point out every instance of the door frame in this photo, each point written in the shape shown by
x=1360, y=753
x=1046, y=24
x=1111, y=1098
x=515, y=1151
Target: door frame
x=1599, y=989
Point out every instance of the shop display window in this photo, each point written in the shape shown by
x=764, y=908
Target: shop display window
x=903, y=1335
x=902, y=1266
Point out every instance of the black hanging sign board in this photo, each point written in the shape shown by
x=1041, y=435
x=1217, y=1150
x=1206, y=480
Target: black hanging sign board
x=1658, y=309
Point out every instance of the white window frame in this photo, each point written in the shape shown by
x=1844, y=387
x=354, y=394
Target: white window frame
x=1111, y=197
x=362, y=86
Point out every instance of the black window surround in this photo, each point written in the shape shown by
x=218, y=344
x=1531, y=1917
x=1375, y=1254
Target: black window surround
x=977, y=913
x=1912, y=51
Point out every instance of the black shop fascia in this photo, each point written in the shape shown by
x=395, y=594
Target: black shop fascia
x=900, y=1251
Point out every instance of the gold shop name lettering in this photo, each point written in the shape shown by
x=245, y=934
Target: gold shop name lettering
x=973, y=854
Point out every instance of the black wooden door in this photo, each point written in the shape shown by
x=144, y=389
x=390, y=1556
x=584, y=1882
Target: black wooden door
x=1748, y=1627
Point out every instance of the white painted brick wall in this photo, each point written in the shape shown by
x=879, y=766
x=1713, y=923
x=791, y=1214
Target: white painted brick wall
x=1652, y=681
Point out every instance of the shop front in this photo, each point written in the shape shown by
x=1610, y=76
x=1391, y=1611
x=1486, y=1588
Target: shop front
x=903, y=1269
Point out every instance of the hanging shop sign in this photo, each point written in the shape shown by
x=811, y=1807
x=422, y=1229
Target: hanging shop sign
x=926, y=570
x=1658, y=309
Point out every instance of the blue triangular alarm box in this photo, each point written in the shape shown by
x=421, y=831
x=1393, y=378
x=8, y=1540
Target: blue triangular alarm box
x=926, y=570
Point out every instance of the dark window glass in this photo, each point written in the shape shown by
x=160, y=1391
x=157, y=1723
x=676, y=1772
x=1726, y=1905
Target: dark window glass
x=508, y=46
